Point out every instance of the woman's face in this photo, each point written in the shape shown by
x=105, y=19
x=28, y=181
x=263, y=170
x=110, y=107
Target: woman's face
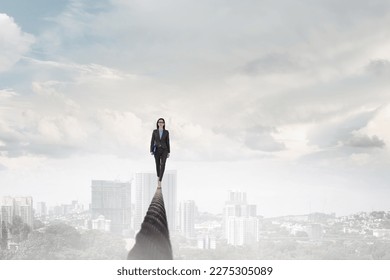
x=160, y=124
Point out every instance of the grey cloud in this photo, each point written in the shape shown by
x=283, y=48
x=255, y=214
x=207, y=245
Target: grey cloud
x=257, y=137
x=154, y=38
x=344, y=158
x=59, y=129
x=271, y=63
x=260, y=138
x=357, y=10
x=18, y=149
x=192, y=43
x=364, y=141
x=379, y=68
x=330, y=134
x=318, y=102
x=21, y=142
x=35, y=144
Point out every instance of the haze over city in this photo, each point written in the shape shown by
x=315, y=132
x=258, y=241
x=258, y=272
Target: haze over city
x=288, y=102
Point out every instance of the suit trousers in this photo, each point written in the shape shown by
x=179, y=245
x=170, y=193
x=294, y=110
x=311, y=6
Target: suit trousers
x=161, y=157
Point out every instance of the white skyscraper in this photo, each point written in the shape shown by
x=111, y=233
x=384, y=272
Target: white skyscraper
x=7, y=209
x=241, y=225
x=169, y=188
x=145, y=187
x=17, y=206
x=237, y=197
x=242, y=230
x=187, y=218
x=24, y=209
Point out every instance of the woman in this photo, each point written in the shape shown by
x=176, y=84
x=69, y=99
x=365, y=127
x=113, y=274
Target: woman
x=159, y=147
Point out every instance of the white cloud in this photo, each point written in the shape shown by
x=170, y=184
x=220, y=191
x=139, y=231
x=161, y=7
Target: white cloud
x=14, y=43
x=7, y=93
x=231, y=75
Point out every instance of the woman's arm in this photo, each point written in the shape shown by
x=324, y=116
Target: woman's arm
x=152, y=143
x=169, y=149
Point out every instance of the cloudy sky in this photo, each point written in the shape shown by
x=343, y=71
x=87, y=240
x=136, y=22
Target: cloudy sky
x=288, y=101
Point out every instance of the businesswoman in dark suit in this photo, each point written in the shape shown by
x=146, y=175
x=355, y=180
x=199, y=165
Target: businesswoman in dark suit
x=159, y=147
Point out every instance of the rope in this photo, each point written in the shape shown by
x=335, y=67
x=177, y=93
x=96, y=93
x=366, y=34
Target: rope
x=152, y=241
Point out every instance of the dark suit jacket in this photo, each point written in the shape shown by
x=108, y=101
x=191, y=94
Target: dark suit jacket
x=160, y=143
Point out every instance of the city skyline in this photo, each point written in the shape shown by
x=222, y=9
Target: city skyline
x=218, y=203
x=286, y=101
x=224, y=202
x=197, y=235
x=313, y=236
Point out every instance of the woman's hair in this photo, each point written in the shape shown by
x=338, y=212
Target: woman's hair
x=162, y=120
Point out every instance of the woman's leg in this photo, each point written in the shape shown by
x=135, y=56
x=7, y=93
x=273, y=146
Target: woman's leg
x=163, y=160
x=157, y=156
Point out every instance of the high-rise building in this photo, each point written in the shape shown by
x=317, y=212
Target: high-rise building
x=17, y=206
x=242, y=230
x=41, y=209
x=24, y=209
x=237, y=197
x=145, y=187
x=112, y=200
x=187, y=218
x=241, y=226
x=169, y=189
x=7, y=209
